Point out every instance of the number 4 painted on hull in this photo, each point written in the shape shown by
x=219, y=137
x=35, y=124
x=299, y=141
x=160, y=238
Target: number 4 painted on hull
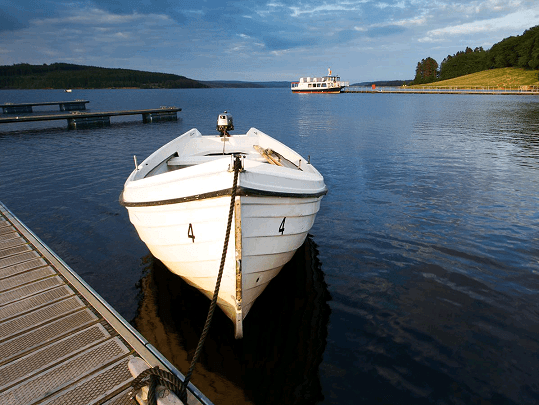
x=281, y=227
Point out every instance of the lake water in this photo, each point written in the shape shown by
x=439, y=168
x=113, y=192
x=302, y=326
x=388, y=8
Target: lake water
x=419, y=283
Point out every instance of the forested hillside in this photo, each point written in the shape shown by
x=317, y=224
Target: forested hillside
x=521, y=51
x=68, y=76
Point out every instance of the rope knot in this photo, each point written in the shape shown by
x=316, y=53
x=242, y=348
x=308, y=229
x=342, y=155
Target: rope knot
x=153, y=377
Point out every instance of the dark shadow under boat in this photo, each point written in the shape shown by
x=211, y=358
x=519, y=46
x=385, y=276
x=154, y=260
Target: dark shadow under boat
x=285, y=333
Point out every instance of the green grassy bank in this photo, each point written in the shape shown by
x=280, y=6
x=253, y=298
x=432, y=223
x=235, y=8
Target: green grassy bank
x=509, y=77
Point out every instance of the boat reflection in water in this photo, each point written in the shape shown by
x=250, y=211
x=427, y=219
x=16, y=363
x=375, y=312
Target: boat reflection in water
x=284, y=339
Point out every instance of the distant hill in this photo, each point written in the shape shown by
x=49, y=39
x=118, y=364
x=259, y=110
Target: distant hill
x=275, y=84
x=69, y=76
x=240, y=84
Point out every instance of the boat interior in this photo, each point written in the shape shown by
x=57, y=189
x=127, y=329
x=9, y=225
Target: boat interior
x=177, y=160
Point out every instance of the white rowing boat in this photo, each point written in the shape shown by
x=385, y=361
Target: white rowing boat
x=178, y=199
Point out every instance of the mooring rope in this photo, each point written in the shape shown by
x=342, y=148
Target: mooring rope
x=165, y=378
x=154, y=377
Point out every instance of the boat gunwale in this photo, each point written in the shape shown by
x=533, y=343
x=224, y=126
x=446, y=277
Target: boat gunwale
x=241, y=192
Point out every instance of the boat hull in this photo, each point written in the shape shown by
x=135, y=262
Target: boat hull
x=179, y=200
x=332, y=91
x=188, y=238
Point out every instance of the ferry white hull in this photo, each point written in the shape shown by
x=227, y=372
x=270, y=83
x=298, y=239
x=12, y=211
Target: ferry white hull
x=336, y=90
x=182, y=216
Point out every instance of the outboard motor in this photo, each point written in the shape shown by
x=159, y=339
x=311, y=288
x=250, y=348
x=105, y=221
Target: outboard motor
x=225, y=124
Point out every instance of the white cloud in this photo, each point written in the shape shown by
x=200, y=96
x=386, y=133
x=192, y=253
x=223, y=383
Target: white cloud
x=193, y=12
x=95, y=16
x=328, y=8
x=403, y=23
x=411, y=22
x=383, y=6
x=280, y=52
x=519, y=20
x=275, y=5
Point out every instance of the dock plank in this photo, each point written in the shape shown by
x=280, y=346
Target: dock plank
x=10, y=259
x=51, y=355
x=21, y=267
x=39, y=337
x=66, y=373
x=30, y=289
x=95, y=388
x=60, y=342
x=122, y=398
x=34, y=302
x=26, y=277
x=9, y=235
x=39, y=317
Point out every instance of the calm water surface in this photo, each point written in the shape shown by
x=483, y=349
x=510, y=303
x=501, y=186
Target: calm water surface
x=418, y=285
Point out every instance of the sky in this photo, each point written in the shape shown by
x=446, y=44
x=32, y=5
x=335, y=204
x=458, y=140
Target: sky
x=253, y=40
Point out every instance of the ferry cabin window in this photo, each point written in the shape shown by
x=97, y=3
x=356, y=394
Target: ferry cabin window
x=324, y=85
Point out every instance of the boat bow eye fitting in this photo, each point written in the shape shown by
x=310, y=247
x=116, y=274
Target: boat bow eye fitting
x=225, y=123
x=237, y=160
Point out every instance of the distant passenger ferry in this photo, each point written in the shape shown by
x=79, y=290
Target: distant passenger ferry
x=324, y=84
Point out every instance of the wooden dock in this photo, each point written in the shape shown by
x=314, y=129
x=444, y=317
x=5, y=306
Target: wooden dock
x=78, y=119
x=60, y=342
x=12, y=108
x=389, y=90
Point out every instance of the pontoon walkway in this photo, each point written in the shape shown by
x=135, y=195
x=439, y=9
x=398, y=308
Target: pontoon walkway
x=12, y=108
x=78, y=119
x=60, y=342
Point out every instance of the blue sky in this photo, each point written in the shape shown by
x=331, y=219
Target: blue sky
x=361, y=40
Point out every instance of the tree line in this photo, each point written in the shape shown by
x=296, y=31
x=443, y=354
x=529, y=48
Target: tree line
x=68, y=76
x=521, y=51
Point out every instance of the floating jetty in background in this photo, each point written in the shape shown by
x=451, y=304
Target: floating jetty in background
x=521, y=91
x=60, y=342
x=78, y=119
x=12, y=108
